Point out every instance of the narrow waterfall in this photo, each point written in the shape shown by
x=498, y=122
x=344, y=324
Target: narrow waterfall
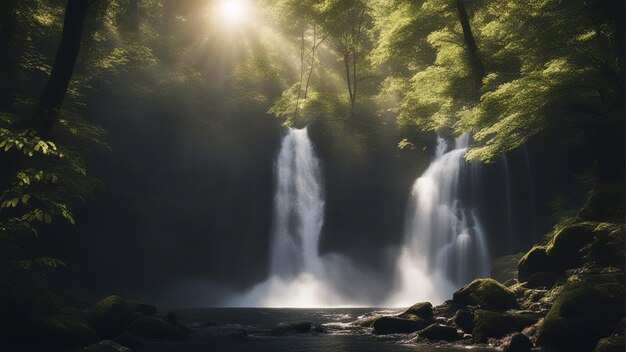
x=531, y=186
x=298, y=275
x=298, y=208
x=444, y=242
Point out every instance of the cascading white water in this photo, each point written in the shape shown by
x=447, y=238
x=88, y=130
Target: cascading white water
x=444, y=243
x=298, y=274
x=298, y=208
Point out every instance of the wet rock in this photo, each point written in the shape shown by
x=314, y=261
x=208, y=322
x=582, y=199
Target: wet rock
x=110, y=316
x=542, y=279
x=497, y=325
x=156, y=328
x=464, y=319
x=319, y=328
x=518, y=342
x=566, y=247
x=536, y=260
x=365, y=322
x=486, y=293
x=582, y=314
x=392, y=325
x=106, y=346
x=438, y=332
x=422, y=310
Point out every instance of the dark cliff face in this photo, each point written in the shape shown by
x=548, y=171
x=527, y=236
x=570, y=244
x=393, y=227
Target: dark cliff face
x=200, y=210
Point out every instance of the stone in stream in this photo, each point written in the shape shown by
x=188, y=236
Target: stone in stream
x=110, y=316
x=485, y=293
x=392, y=325
x=464, y=319
x=497, y=325
x=439, y=332
x=422, y=310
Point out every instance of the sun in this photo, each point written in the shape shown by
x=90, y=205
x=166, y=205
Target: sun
x=232, y=11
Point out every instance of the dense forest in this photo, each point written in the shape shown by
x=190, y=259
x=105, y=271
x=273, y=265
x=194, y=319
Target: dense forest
x=139, y=149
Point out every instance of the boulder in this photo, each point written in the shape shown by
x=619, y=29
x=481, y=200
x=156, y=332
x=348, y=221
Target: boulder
x=61, y=332
x=392, y=325
x=106, y=346
x=582, y=314
x=439, y=332
x=365, y=322
x=605, y=202
x=611, y=344
x=156, y=328
x=504, y=269
x=110, y=316
x=486, y=293
x=464, y=319
x=143, y=308
x=422, y=310
x=497, y=325
x=536, y=260
x=518, y=342
x=566, y=247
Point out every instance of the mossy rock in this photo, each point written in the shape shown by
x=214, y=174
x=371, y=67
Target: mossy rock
x=485, y=293
x=504, y=268
x=392, y=325
x=605, y=202
x=611, y=344
x=62, y=331
x=110, y=316
x=422, y=310
x=439, y=332
x=582, y=314
x=518, y=342
x=156, y=328
x=143, y=308
x=566, y=247
x=365, y=322
x=497, y=325
x=535, y=261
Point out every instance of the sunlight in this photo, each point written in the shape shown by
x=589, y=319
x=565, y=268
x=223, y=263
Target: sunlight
x=232, y=12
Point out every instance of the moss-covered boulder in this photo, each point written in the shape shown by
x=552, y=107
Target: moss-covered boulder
x=422, y=310
x=110, y=316
x=143, y=308
x=157, y=328
x=62, y=331
x=566, y=247
x=485, y=293
x=605, y=202
x=611, y=344
x=464, y=319
x=497, y=325
x=365, y=322
x=393, y=325
x=582, y=314
x=535, y=261
x=504, y=268
x=439, y=332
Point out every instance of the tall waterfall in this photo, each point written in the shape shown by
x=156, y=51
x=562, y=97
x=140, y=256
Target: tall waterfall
x=298, y=274
x=444, y=242
x=298, y=208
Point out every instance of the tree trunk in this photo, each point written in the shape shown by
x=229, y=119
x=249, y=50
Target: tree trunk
x=476, y=63
x=8, y=54
x=47, y=112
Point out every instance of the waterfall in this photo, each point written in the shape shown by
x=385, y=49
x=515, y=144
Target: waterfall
x=531, y=186
x=444, y=242
x=298, y=208
x=298, y=274
x=509, y=203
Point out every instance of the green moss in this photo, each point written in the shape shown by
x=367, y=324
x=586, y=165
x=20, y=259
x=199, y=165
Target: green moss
x=422, y=310
x=110, y=316
x=566, y=247
x=486, y=293
x=493, y=324
x=504, y=268
x=536, y=260
x=582, y=313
